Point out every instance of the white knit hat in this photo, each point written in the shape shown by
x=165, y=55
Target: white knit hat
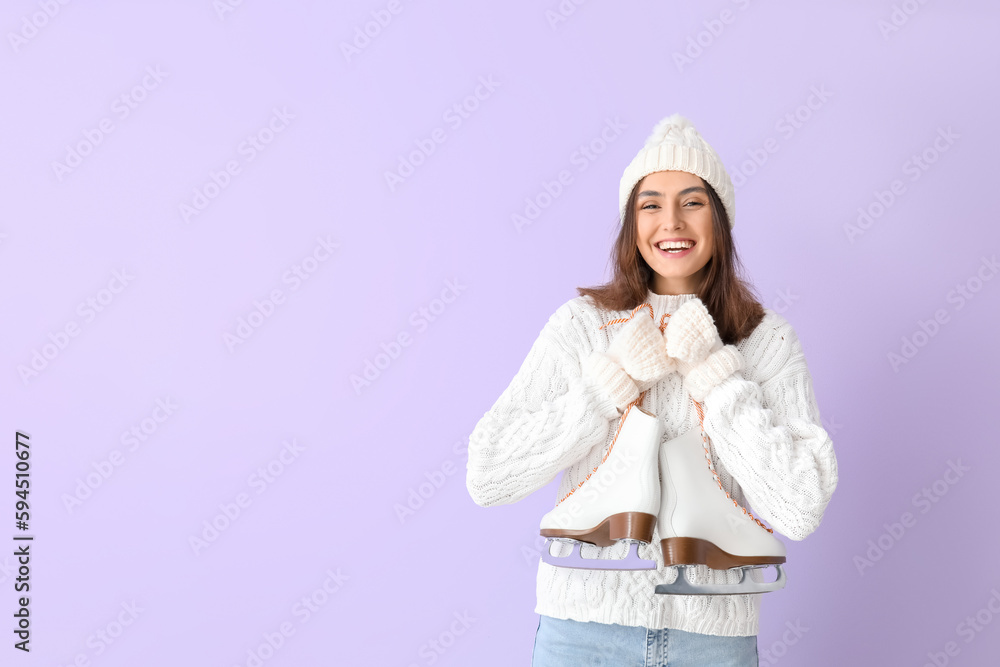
x=675, y=145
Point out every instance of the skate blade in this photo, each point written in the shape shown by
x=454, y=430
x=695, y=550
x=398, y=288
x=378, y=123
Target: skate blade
x=681, y=586
x=631, y=561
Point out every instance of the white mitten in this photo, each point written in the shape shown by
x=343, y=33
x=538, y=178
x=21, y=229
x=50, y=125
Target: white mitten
x=636, y=358
x=639, y=348
x=693, y=340
x=701, y=378
x=691, y=333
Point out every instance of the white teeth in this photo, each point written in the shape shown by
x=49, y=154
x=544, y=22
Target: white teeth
x=675, y=245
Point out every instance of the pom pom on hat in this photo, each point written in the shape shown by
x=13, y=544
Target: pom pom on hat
x=674, y=124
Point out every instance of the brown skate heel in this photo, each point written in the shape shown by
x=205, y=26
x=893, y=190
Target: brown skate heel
x=626, y=525
x=694, y=551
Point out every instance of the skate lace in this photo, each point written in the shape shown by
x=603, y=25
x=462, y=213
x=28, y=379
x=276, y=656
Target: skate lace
x=638, y=402
x=708, y=457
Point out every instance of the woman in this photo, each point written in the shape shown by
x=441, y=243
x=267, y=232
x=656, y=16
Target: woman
x=741, y=376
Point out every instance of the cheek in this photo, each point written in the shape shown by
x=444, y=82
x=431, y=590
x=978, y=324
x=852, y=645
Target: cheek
x=706, y=251
x=643, y=236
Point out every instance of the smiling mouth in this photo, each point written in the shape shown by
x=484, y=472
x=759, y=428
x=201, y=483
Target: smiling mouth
x=674, y=248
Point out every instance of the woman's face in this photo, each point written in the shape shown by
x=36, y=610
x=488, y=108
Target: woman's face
x=674, y=205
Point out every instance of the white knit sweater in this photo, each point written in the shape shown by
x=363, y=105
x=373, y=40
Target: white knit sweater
x=766, y=442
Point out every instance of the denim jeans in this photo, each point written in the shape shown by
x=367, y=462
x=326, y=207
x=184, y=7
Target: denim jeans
x=565, y=643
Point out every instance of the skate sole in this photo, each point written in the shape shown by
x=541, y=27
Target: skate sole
x=626, y=525
x=694, y=551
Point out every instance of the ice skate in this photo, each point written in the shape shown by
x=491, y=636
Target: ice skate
x=700, y=524
x=618, y=500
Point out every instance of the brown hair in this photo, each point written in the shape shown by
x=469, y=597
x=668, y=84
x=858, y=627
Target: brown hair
x=730, y=300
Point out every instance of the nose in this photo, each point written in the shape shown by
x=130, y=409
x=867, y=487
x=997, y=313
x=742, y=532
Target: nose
x=672, y=219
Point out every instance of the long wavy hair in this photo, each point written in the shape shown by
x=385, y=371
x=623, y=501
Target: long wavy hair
x=731, y=301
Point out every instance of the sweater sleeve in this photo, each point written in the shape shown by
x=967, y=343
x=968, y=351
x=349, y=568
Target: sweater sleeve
x=768, y=434
x=547, y=418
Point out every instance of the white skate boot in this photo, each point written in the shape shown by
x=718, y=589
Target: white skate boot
x=700, y=524
x=618, y=500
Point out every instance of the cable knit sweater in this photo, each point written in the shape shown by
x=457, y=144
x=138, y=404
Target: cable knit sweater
x=766, y=442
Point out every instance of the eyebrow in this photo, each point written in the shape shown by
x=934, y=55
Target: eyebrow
x=655, y=193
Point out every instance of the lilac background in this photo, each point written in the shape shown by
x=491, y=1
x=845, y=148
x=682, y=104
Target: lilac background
x=335, y=506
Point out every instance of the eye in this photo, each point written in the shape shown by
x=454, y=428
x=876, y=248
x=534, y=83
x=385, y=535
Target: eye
x=696, y=203
x=648, y=205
